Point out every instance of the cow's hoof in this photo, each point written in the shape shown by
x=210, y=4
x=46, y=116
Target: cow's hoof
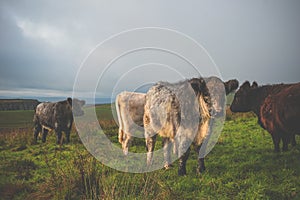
x=181, y=172
x=168, y=166
x=200, y=170
x=125, y=151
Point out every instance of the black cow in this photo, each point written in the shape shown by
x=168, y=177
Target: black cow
x=276, y=106
x=57, y=116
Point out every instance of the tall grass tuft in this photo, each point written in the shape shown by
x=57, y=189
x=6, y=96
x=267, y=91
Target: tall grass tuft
x=83, y=177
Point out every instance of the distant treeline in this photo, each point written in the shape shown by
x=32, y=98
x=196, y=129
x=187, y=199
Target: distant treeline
x=18, y=104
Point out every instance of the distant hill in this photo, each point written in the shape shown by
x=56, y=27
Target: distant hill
x=18, y=104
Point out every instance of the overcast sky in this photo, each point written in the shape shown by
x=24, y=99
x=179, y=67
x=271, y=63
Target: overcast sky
x=43, y=43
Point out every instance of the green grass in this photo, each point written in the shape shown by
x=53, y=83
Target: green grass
x=242, y=165
x=16, y=118
x=23, y=118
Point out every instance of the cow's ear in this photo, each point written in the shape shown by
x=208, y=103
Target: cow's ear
x=195, y=85
x=69, y=101
x=254, y=84
x=231, y=85
x=234, y=84
x=246, y=85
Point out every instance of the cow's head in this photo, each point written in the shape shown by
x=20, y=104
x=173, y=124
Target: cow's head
x=217, y=93
x=200, y=88
x=231, y=85
x=76, y=106
x=242, y=101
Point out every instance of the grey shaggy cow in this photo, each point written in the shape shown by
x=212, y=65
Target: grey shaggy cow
x=130, y=108
x=57, y=116
x=180, y=113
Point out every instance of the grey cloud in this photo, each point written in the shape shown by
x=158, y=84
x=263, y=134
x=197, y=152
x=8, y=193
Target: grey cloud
x=254, y=40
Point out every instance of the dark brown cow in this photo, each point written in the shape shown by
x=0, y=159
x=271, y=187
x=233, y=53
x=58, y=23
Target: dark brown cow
x=57, y=116
x=276, y=106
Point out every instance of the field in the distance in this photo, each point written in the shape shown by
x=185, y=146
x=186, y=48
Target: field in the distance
x=242, y=165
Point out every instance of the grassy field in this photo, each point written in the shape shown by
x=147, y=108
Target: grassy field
x=16, y=118
x=242, y=165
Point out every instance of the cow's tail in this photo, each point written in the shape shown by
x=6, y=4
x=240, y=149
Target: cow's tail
x=120, y=120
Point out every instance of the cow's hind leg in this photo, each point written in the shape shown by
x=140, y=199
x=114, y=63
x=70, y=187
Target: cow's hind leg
x=37, y=130
x=45, y=133
x=150, y=144
x=293, y=140
x=58, y=136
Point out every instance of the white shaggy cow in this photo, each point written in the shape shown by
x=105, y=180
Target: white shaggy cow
x=179, y=112
x=130, y=111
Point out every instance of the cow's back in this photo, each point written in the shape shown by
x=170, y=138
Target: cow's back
x=162, y=111
x=44, y=115
x=130, y=112
x=136, y=103
x=50, y=115
x=172, y=108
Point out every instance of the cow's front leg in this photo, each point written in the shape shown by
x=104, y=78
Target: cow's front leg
x=276, y=141
x=183, y=152
x=150, y=144
x=285, y=142
x=44, y=135
x=68, y=131
x=58, y=136
x=126, y=143
x=182, y=163
x=67, y=136
x=201, y=165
